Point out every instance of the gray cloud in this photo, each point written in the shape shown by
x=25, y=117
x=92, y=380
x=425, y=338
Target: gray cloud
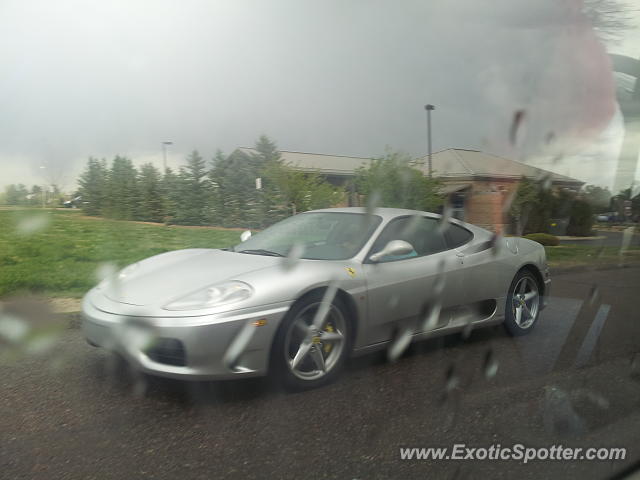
x=98, y=78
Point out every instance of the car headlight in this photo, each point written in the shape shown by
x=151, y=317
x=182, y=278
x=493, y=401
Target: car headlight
x=213, y=296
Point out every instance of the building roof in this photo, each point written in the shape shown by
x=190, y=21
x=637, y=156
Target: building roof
x=451, y=164
x=318, y=162
x=455, y=163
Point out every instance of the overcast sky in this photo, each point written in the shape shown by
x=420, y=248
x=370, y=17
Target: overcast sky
x=101, y=78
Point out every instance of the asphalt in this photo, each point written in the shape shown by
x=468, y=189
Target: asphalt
x=575, y=380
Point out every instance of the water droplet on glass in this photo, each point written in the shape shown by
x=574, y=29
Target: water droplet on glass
x=627, y=235
x=468, y=326
x=432, y=316
x=635, y=365
x=490, y=364
x=516, y=124
x=32, y=224
x=447, y=212
x=451, y=379
x=140, y=385
x=550, y=137
x=393, y=301
x=246, y=235
x=399, y=344
x=495, y=243
x=238, y=345
x=325, y=304
x=136, y=336
x=41, y=344
x=546, y=182
x=106, y=271
x=593, y=294
x=13, y=328
x=597, y=399
x=293, y=257
x=559, y=418
x=411, y=226
x=372, y=202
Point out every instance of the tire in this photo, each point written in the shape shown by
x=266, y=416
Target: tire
x=523, y=304
x=327, y=346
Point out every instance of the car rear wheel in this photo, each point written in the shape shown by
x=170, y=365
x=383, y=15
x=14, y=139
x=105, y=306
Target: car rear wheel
x=310, y=351
x=523, y=304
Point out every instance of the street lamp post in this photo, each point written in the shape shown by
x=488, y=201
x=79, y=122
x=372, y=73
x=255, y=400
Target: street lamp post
x=164, y=154
x=428, y=108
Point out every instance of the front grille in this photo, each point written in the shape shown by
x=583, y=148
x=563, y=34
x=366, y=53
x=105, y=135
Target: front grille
x=169, y=351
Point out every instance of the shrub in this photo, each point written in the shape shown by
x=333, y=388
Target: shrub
x=545, y=239
x=580, y=219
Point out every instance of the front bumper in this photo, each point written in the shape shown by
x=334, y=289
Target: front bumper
x=219, y=346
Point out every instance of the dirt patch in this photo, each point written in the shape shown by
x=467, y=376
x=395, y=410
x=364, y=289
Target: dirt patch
x=65, y=305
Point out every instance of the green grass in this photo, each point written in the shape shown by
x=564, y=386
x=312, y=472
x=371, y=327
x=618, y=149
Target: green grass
x=61, y=255
x=574, y=255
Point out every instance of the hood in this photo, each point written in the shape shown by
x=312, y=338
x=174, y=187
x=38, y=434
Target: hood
x=172, y=275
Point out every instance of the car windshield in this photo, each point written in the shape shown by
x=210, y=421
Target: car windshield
x=322, y=236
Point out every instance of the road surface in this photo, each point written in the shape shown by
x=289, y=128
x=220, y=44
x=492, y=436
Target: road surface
x=575, y=381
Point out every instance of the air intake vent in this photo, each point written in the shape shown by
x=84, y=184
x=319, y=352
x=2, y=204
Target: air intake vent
x=169, y=351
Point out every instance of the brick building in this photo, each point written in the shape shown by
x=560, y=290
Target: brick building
x=479, y=184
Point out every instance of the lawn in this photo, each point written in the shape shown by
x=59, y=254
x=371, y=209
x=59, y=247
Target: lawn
x=575, y=255
x=58, y=252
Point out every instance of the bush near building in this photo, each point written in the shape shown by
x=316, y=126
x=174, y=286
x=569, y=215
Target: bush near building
x=534, y=207
x=545, y=239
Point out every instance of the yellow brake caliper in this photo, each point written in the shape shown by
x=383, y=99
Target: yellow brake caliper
x=327, y=346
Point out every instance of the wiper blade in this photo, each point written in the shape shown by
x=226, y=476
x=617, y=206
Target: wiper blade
x=260, y=251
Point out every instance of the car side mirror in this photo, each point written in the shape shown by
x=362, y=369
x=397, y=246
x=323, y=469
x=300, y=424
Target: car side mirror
x=246, y=235
x=394, y=247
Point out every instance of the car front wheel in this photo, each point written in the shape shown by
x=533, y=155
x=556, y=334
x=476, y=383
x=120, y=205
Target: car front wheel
x=310, y=351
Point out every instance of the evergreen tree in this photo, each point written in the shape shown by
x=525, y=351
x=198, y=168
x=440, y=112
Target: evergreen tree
x=267, y=150
x=193, y=202
x=16, y=194
x=214, y=209
x=35, y=197
x=170, y=188
x=93, y=187
x=122, y=195
x=150, y=200
x=234, y=178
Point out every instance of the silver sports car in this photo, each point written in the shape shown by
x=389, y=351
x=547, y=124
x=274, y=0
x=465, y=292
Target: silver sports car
x=298, y=298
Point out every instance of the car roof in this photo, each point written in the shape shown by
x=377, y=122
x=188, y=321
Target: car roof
x=385, y=213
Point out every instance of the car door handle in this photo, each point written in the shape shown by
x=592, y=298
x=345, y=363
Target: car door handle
x=460, y=255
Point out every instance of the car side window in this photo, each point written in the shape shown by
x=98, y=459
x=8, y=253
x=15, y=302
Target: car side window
x=457, y=236
x=421, y=232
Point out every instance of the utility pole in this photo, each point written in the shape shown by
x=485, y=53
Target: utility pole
x=428, y=108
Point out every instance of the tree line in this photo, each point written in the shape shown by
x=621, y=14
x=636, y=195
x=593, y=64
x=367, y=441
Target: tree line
x=254, y=190
x=236, y=190
x=20, y=194
x=242, y=189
